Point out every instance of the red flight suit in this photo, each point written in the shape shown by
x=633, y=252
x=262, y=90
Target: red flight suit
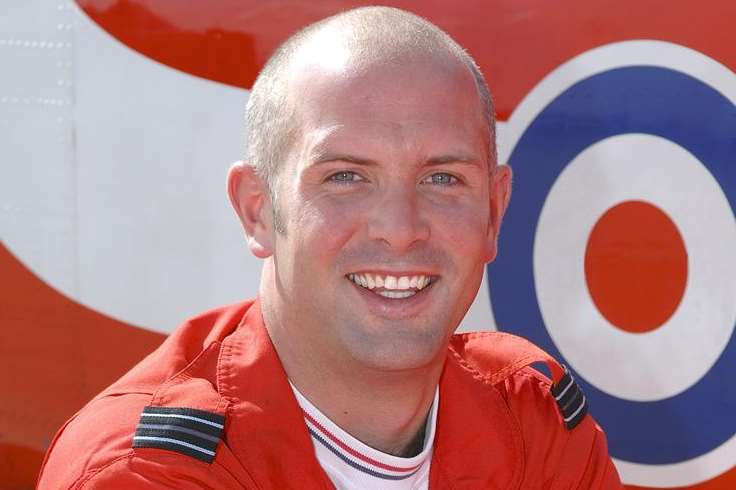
x=498, y=426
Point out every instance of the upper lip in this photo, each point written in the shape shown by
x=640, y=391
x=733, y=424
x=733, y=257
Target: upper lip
x=396, y=273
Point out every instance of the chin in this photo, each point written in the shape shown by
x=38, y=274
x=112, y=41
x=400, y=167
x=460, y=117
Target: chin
x=397, y=349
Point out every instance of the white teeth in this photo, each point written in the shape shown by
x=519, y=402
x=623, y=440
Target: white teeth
x=395, y=283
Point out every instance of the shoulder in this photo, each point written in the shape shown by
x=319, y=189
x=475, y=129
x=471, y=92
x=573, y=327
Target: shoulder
x=152, y=417
x=123, y=442
x=562, y=442
x=503, y=361
x=497, y=355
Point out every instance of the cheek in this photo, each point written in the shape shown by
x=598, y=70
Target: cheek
x=325, y=225
x=462, y=224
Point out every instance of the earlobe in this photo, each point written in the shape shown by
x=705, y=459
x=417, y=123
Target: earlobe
x=500, y=194
x=249, y=197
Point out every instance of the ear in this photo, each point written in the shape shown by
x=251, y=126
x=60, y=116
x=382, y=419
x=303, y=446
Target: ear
x=250, y=198
x=499, y=193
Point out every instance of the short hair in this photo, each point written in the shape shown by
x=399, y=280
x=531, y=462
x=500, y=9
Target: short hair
x=372, y=34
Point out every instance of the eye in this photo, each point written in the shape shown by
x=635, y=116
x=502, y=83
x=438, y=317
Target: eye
x=345, y=177
x=441, y=178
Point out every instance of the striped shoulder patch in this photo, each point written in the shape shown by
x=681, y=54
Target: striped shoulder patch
x=195, y=433
x=570, y=399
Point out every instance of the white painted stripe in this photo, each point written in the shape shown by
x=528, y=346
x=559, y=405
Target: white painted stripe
x=174, y=441
x=179, y=416
x=567, y=419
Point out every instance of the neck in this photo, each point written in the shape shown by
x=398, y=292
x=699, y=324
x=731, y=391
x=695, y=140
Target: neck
x=384, y=409
x=380, y=422
x=388, y=415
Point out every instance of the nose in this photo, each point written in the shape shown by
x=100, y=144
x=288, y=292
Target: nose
x=397, y=220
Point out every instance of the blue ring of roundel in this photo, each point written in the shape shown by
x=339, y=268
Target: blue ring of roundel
x=635, y=99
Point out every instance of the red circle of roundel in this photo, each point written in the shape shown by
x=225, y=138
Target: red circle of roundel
x=634, y=289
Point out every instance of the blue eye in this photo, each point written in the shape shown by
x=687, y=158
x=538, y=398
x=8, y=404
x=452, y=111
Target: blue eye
x=345, y=176
x=440, y=178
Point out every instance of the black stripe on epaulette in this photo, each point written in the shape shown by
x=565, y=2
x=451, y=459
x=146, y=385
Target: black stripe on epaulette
x=570, y=400
x=577, y=415
x=195, y=433
x=210, y=430
x=558, y=389
x=201, y=414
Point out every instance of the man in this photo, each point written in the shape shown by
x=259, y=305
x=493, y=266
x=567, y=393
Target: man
x=372, y=193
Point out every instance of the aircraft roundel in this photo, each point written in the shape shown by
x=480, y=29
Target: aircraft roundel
x=618, y=253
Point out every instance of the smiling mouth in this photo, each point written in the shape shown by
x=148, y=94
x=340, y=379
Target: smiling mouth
x=392, y=287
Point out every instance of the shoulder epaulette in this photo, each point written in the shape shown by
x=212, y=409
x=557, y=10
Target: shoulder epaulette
x=195, y=433
x=496, y=356
x=570, y=399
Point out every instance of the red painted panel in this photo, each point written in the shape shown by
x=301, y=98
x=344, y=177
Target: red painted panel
x=516, y=42
x=59, y=355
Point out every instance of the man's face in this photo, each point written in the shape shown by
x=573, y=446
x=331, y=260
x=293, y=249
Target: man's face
x=386, y=201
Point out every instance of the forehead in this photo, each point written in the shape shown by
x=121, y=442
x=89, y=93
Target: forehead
x=404, y=97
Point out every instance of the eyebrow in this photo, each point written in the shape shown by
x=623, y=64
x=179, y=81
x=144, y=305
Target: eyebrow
x=459, y=158
x=438, y=160
x=341, y=157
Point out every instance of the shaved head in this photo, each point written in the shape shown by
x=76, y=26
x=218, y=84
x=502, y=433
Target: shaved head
x=347, y=44
x=370, y=152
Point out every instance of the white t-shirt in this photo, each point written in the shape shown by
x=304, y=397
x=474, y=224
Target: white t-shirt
x=350, y=464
